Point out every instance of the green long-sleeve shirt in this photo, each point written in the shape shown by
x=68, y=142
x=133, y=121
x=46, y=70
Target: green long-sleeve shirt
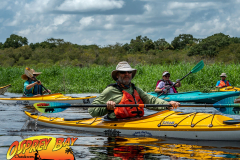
x=113, y=94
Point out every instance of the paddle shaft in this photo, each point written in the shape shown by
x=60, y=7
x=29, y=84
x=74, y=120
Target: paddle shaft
x=174, y=84
x=197, y=68
x=42, y=85
x=142, y=105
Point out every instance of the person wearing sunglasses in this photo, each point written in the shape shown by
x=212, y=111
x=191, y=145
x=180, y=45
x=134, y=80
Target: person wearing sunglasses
x=165, y=85
x=123, y=91
x=32, y=87
x=223, y=82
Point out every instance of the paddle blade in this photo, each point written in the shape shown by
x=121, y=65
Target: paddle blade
x=198, y=67
x=51, y=107
x=28, y=72
x=231, y=107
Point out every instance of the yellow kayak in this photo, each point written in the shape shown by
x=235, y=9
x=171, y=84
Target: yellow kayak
x=198, y=126
x=57, y=97
x=4, y=89
x=226, y=89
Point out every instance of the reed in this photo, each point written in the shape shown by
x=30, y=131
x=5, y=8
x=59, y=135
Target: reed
x=94, y=79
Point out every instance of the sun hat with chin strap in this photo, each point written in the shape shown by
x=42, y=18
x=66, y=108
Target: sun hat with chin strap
x=123, y=66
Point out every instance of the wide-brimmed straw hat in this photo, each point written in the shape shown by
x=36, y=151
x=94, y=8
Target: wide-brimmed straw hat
x=223, y=75
x=123, y=66
x=25, y=77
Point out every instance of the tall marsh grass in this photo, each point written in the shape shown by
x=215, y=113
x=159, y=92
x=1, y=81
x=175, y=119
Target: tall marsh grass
x=95, y=79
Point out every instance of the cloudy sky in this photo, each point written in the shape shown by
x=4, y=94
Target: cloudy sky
x=105, y=22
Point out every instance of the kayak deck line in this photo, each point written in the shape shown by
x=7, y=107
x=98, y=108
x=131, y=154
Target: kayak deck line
x=215, y=122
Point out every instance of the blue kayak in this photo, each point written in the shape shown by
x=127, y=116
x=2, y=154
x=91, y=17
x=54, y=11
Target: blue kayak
x=196, y=96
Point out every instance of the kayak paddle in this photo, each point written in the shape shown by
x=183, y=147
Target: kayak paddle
x=195, y=69
x=30, y=74
x=226, y=106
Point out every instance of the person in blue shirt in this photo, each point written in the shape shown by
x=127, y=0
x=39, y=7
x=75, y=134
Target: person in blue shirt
x=223, y=82
x=32, y=87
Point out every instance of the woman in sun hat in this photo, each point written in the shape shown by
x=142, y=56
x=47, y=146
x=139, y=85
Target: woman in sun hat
x=125, y=92
x=31, y=86
x=223, y=82
x=164, y=85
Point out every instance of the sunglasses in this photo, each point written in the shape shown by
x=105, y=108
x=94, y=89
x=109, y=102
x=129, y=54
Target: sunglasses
x=124, y=72
x=167, y=76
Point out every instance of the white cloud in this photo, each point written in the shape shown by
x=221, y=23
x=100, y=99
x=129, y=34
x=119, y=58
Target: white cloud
x=96, y=21
x=191, y=5
x=60, y=19
x=38, y=6
x=86, y=21
x=108, y=26
x=87, y=5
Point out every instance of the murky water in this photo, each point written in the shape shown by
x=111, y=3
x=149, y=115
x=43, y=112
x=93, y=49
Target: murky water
x=95, y=146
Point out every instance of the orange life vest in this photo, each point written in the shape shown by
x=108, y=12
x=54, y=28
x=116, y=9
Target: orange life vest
x=223, y=84
x=128, y=112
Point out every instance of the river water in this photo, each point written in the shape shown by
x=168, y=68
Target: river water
x=95, y=146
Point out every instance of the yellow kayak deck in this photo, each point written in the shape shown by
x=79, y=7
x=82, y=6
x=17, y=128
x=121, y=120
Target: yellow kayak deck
x=164, y=121
x=55, y=96
x=226, y=89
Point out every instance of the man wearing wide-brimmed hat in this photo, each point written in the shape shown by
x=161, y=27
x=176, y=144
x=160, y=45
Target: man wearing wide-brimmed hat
x=124, y=92
x=31, y=86
x=223, y=82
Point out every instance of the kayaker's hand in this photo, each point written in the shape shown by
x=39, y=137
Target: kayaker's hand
x=165, y=90
x=111, y=105
x=174, y=104
x=38, y=82
x=178, y=80
x=48, y=91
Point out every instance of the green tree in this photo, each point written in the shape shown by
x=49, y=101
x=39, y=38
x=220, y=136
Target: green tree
x=137, y=44
x=1, y=45
x=162, y=44
x=182, y=40
x=15, y=41
x=210, y=46
x=148, y=45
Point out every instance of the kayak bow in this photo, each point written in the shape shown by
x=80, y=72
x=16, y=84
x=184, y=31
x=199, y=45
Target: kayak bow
x=197, y=126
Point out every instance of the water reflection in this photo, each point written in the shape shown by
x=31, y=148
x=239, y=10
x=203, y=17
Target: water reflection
x=153, y=148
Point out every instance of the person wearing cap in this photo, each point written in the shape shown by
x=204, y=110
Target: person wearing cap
x=125, y=92
x=32, y=87
x=164, y=85
x=223, y=82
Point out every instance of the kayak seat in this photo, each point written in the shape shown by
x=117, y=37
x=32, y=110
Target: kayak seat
x=234, y=121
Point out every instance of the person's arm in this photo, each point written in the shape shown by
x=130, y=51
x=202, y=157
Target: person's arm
x=229, y=83
x=159, y=87
x=109, y=94
x=29, y=86
x=217, y=85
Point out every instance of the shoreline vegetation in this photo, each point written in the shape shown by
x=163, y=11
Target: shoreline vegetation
x=74, y=68
x=94, y=79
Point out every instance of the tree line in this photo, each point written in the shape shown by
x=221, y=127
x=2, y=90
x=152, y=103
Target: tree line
x=16, y=51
